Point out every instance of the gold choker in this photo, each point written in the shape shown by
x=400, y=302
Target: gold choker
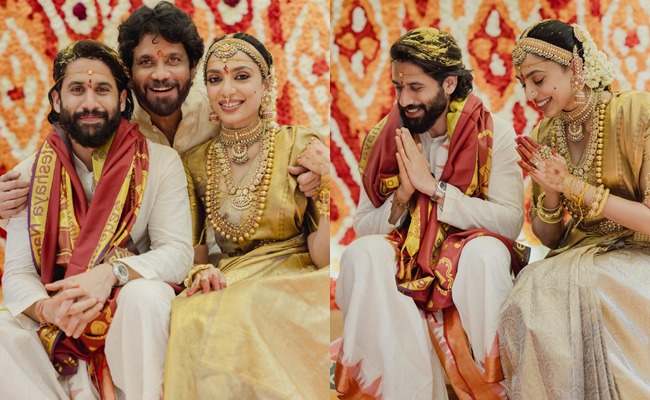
x=240, y=139
x=575, y=118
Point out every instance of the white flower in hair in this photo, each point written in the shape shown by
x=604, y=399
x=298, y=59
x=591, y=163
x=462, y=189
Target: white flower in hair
x=597, y=70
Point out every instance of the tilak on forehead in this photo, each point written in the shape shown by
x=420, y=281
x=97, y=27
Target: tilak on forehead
x=430, y=44
x=225, y=49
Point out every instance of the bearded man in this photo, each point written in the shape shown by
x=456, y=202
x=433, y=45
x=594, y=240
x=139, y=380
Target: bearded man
x=107, y=224
x=440, y=206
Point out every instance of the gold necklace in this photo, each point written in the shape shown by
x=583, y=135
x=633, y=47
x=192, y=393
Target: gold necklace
x=595, y=150
x=575, y=118
x=239, y=140
x=251, y=195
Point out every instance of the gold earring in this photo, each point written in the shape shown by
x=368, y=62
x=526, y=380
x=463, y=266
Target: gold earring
x=267, y=108
x=577, y=80
x=213, y=118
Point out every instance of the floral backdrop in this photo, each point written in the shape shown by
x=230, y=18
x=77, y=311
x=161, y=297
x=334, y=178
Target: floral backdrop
x=31, y=32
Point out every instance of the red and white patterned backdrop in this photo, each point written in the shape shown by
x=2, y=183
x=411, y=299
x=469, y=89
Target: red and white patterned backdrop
x=297, y=33
x=361, y=89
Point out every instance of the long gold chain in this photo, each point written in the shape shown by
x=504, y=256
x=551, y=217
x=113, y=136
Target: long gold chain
x=252, y=195
x=594, y=155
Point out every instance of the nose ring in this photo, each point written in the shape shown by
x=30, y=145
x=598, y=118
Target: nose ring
x=232, y=90
x=533, y=93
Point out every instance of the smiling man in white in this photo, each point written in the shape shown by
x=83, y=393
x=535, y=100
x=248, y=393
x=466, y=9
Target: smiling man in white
x=440, y=206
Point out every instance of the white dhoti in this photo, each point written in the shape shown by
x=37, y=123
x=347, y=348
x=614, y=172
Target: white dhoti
x=135, y=351
x=387, y=347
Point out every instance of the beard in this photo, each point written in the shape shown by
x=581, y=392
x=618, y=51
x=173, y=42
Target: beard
x=163, y=107
x=432, y=111
x=90, y=135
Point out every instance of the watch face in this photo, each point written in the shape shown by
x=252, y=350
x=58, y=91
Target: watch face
x=121, y=273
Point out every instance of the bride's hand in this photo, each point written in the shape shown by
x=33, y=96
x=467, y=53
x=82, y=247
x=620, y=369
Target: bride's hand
x=308, y=181
x=207, y=280
x=545, y=165
x=316, y=157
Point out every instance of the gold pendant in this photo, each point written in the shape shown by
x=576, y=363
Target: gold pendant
x=241, y=200
x=574, y=132
x=239, y=153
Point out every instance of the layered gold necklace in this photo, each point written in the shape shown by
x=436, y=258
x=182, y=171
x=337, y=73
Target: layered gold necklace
x=250, y=195
x=239, y=139
x=593, y=155
x=574, y=119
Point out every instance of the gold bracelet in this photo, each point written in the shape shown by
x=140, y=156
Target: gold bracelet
x=195, y=269
x=323, y=206
x=324, y=187
x=399, y=203
x=323, y=193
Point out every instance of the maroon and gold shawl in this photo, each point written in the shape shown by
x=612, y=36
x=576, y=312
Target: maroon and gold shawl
x=69, y=236
x=429, y=250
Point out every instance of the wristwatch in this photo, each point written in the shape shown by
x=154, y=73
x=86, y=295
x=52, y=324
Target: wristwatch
x=121, y=272
x=441, y=190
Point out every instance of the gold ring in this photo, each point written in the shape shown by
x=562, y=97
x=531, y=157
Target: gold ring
x=545, y=152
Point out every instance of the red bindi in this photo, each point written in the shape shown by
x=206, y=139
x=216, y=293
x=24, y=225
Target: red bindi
x=90, y=83
x=225, y=68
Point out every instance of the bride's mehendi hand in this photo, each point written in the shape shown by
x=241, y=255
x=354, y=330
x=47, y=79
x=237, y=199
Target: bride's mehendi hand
x=207, y=280
x=315, y=157
x=545, y=166
x=550, y=170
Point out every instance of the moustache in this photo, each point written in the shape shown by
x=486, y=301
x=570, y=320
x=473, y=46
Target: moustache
x=412, y=107
x=88, y=113
x=168, y=83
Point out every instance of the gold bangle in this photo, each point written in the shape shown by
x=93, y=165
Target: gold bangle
x=571, y=187
x=551, y=219
x=596, y=198
x=323, y=193
x=548, y=216
x=324, y=187
x=195, y=269
x=603, y=202
x=540, y=203
x=323, y=206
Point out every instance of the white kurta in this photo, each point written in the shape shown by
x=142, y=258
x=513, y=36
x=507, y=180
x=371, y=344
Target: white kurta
x=136, y=342
x=384, y=332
